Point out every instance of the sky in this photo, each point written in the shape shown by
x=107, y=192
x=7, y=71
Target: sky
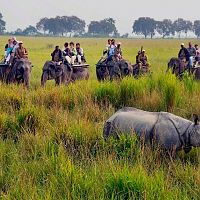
x=21, y=13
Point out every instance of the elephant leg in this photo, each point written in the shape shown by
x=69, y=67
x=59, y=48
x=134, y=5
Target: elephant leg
x=65, y=79
x=44, y=78
x=111, y=73
x=11, y=76
x=98, y=74
x=115, y=76
x=58, y=81
x=19, y=81
x=168, y=68
x=111, y=76
x=119, y=76
x=26, y=78
x=87, y=76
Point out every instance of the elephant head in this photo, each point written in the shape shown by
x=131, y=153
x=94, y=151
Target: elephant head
x=60, y=73
x=20, y=72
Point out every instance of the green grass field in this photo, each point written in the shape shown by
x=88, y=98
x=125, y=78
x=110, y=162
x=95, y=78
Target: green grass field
x=51, y=144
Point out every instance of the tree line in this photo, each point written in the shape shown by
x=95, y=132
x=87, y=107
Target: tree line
x=74, y=26
x=148, y=27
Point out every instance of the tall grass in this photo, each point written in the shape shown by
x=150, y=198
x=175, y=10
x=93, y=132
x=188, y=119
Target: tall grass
x=51, y=143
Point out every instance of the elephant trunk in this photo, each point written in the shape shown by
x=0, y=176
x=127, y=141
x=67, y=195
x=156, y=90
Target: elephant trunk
x=44, y=78
x=26, y=77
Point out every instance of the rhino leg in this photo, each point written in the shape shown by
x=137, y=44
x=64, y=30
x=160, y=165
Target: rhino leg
x=187, y=149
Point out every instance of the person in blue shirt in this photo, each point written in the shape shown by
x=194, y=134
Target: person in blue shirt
x=8, y=50
x=111, y=50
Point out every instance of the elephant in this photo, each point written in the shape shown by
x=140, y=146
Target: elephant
x=80, y=73
x=140, y=70
x=4, y=71
x=178, y=66
x=20, y=72
x=168, y=131
x=102, y=71
x=173, y=64
x=196, y=72
x=120, y=69
x=60, y=73
x=126, y=68
x=113, y=69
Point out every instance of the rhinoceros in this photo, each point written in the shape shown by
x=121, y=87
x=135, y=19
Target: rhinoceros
x=164, y=129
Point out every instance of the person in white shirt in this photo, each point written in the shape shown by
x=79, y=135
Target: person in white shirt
x=8, y=50
x=14, y=49
x=80, y=53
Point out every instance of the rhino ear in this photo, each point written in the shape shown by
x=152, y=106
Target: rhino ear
x=196, y=119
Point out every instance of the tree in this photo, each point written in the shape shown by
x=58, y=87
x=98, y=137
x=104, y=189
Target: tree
x=30, y=30
x=60, y=25
x=2, y=24
x=42, y=25
x=188, y=27
x=196, y=28
x=19, y=31
x=125, y=35
x=145, y=26
x=54, y=26
x=75, y=25
x=165, y=28
x=94, y=27
x=181, y=25
x=104, y=27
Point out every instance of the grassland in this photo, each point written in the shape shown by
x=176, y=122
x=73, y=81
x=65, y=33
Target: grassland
x=51, y=144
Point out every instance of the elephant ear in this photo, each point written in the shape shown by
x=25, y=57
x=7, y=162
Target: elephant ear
x=196, y=119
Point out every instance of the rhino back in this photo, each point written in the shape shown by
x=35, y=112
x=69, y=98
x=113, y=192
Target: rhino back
x=130, y=120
